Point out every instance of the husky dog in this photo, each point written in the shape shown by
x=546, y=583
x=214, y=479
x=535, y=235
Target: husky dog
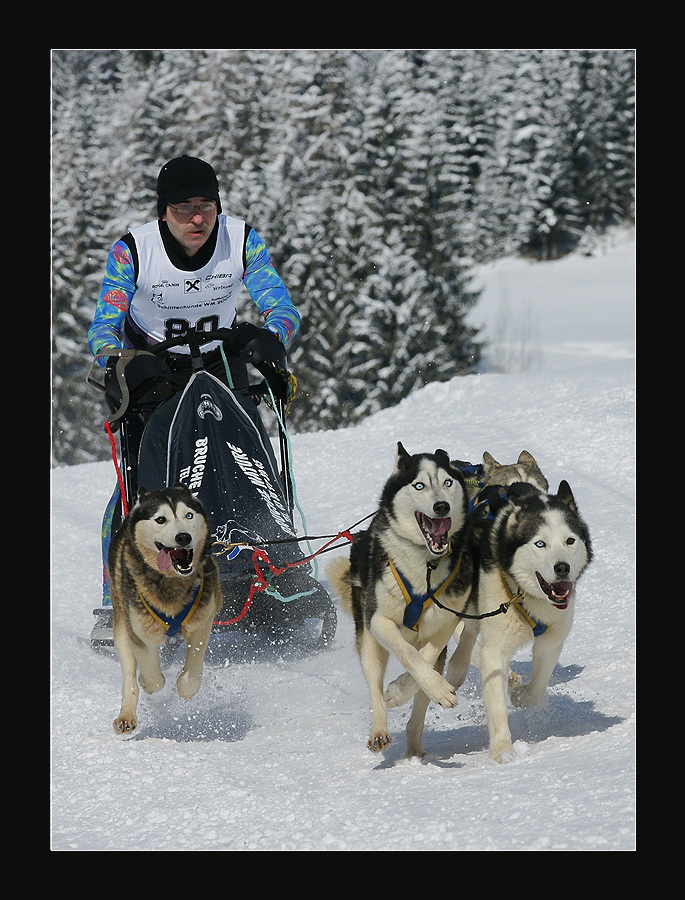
x=531, y=558
x=480, y=478
x=162, y=583
x=525, y=470
x=485, y=486
x=414, y=552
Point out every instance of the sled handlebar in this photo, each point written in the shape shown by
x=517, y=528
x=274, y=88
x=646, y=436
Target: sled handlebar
x=250, y=352
x=195, y=341
x=272, y=364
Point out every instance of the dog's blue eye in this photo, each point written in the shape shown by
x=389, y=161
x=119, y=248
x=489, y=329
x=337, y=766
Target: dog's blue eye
x=448, y=482
x=540, y=544
x=189, y=515
x=419, y=486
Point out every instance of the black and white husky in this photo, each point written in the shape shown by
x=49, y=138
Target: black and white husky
x=531, y=557
x=163, y=583
x=405, y=577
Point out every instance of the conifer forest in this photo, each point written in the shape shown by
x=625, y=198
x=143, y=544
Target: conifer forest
x=378, y=180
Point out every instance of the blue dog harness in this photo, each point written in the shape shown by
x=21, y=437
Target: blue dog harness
x=173, y=624
x=417, y=603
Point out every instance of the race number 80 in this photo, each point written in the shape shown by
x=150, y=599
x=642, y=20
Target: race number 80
x=174, y=328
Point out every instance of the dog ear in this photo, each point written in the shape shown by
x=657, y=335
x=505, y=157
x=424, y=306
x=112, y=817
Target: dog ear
x=402, y=456
x=566, y=496
x=141, y=492
x=443, y=458
x=491, y=500
x=527, y=459
x=480, y=512
x=490, y=465
x=518, y=492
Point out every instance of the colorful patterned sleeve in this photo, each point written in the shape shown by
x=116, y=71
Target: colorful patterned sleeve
x=268, y=291
x=118, y=288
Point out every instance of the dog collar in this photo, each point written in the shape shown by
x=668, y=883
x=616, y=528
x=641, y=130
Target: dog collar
x=538, y=627
x=416, y=603
x=173, y=624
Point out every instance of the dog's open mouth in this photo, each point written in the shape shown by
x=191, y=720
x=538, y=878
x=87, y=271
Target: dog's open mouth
x=179, y=557
x=559, y=593
x=436, y=533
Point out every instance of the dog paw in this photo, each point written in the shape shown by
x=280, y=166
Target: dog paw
x=502, y=752
x=400, y=691
x=519, y=695
x=414, y=751
x=125, y=724
x=153, y=685
x=379, y=741
x=514, y=682
x=187, y=687
x=524, y=695
x=442, y=692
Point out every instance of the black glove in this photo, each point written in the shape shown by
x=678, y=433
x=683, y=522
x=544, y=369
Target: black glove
x=242, y=334
x=258, y=344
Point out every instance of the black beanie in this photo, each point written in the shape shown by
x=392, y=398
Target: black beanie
x=184, y=177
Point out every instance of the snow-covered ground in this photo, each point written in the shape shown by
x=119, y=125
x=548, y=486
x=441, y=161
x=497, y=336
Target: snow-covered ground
x=271, y=754
x=545, y=316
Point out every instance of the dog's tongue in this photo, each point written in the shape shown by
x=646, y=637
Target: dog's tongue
x=163, y=560
x=437, y=527
x=561, y=593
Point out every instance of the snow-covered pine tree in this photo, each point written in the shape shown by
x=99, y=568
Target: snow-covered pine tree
x=317, y=226
x=412, y=331
x=83, y=84
x=603, y=168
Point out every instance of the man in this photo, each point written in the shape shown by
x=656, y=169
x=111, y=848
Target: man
x=184, y=270
x=183, y=273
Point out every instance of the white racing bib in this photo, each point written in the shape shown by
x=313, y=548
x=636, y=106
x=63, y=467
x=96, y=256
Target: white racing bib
x=169, y=302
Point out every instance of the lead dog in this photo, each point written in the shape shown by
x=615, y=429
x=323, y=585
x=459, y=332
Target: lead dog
x=412, y=561
x=162, y=583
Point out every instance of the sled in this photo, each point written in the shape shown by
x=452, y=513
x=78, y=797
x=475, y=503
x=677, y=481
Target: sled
x=206, y=438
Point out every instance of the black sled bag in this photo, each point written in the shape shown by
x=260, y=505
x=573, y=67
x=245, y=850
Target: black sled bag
x=205, y=439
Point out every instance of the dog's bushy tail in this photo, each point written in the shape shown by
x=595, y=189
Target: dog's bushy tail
x=338, y=572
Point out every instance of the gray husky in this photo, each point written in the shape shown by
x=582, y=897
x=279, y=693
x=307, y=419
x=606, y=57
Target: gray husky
x=163, y=583
x=406, y=576
x=490, y=472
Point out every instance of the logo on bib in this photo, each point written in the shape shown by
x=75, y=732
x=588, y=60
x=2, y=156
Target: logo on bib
x=192, y=286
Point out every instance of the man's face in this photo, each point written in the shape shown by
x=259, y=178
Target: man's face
x=190, y=231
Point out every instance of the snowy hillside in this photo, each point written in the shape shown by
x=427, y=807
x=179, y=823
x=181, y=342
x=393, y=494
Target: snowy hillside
x=271, y=754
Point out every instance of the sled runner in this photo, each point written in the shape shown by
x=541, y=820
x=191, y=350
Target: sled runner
x=196, y=430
